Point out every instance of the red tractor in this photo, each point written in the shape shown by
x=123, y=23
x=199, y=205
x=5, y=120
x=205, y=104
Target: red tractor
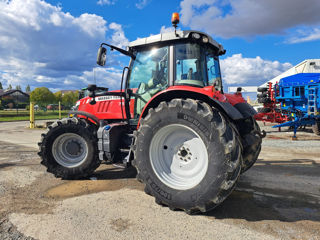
x=171, y=120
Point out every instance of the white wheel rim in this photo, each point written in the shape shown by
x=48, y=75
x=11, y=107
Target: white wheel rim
x=70, y=150
x=178, y=156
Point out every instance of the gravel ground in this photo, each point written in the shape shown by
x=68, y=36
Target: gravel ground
x=8, y=231
x=278, y=198
x=123, y=219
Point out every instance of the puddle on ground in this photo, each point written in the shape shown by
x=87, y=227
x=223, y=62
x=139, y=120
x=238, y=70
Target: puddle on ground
x=106, y=178
x=83, y=187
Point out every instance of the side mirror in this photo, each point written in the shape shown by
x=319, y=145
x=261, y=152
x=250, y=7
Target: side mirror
x=92, y=87
x=102, y=56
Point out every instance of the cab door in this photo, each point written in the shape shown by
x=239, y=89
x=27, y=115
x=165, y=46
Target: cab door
x=148, y=76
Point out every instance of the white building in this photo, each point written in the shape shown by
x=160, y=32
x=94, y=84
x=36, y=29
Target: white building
x=307, y=66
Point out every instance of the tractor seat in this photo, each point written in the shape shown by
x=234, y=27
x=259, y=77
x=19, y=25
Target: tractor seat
x=145, y=94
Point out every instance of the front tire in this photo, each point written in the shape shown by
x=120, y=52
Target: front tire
x=69, y=149
x=188, y=155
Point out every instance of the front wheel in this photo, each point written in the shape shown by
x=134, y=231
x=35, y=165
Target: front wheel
x=69, y=149
x=188, y=155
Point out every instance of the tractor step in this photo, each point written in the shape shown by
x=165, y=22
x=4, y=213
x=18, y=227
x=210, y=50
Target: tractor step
x=120, y=165
x=124, y=150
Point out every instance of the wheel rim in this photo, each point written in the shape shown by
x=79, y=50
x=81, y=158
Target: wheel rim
x=178, y=156
x=70, y=150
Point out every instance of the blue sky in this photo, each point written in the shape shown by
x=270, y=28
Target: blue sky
x=53, y=43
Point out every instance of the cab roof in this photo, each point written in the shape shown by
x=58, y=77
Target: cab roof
x=172, y=36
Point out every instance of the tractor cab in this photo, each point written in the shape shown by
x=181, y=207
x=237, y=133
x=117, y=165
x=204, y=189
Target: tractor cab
x=184, y=58
x=175, y=59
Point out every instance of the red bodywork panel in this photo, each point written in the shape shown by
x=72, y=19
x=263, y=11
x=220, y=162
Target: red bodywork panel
x=109, y=107
x=106, y=107
x=235, y=98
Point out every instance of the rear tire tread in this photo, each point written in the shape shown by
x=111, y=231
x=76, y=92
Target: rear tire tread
x=228, y=136
x=251, y=142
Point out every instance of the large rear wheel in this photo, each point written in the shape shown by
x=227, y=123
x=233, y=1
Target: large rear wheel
x=182, y=161
x=188, y=155
x=69, y=149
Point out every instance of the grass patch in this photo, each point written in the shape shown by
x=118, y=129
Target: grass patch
x=23, y=115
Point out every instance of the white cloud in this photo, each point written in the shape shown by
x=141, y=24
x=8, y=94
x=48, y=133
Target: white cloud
x=91, y=24
x=305, y=36
x=240, y=71
x=106, y=2
x=165, y=29
x=42, y=45
x=246, y=18
x=118, y=38
x=108, y=77
x=142, y=3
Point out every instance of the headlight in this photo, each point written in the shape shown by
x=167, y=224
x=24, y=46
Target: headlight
x=205, y=39
x=196, y=35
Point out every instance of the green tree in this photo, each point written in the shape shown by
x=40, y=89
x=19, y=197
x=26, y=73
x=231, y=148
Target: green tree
x=70, y=98
x=58, y=96
x=42, y=96
x=1, y=86
x=18, y=87
x=28, y=89
x=9, y=87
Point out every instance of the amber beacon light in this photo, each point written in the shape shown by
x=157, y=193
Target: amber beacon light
x=175, y=19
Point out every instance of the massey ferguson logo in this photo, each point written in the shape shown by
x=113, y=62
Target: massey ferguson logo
x=104, y=98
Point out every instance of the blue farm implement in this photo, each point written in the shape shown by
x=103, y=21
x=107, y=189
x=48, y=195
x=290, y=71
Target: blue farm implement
x=299, y=97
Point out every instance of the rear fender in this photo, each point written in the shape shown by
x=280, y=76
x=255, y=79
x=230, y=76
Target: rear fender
x=245, y=109
x=168, y=95
x=241, y=105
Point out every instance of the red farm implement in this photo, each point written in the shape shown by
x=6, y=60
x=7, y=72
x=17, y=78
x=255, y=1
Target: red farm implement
x=271, y=111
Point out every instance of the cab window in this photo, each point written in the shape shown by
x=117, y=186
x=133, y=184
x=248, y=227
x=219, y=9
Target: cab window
x=149, y=75
x=190, y=65
x=197, y=65
x=213, y=68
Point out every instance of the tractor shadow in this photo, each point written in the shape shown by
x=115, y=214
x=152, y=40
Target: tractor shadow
x=6, y=165
x=275, y=190
x=109, y=172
